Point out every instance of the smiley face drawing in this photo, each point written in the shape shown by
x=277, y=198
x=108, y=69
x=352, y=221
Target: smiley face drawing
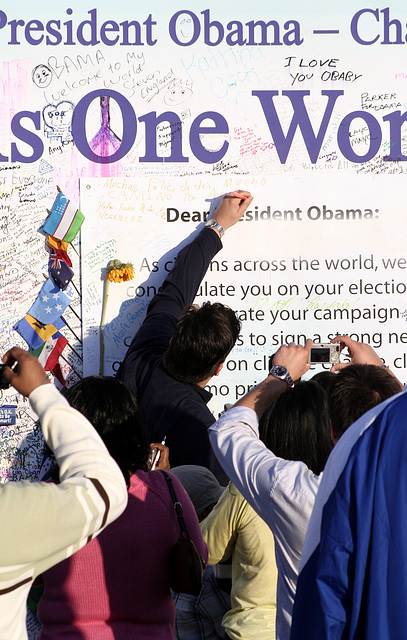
x=185, y=29
x=41, y=76
x=177, y=94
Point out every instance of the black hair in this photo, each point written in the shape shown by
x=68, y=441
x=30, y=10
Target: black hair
x=323, y=378
x=356, y=389
x=296, y=426
x=203, y=338
x=112, y=409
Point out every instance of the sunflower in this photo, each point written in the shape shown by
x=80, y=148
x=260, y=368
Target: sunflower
x=119, y=271
x=116, y=271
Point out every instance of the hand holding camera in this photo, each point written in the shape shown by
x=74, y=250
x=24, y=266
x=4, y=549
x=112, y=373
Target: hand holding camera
x=294, y=357
x=22, y=371
x=360, y=353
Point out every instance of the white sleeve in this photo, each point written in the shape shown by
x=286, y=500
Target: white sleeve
x=281, y=491
x=43, y=523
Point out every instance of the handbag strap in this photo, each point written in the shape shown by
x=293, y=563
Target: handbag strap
x=177, y=506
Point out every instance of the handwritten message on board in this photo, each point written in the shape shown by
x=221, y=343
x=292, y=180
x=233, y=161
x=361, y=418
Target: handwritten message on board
x=176, y=106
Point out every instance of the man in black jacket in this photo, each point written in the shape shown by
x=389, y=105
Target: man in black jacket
x=180, y=347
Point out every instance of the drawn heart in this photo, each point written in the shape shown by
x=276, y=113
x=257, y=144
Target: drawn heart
x=58, y=115
x=237, y=107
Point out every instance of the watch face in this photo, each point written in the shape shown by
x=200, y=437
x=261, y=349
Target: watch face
x=279, y=370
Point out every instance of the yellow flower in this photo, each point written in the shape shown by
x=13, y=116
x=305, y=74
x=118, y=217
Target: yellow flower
x=115, y=275
x=119, y=271
x=116, y=271
x=128, y=273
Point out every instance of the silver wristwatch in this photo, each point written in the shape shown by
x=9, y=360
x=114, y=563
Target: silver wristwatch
x=217, y=226
x=280, y=372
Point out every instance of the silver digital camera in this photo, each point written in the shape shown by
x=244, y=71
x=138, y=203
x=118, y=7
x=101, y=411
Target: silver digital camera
x=325, y=353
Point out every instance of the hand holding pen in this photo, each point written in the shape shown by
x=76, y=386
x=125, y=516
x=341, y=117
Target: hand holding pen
x=241, y=195
x=231, y=208
x=161, y=457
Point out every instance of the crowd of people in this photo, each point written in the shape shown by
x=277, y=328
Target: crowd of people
x=293, y=498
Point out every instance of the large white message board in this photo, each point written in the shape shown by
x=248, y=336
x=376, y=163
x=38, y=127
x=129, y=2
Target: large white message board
x=304, y=106
x=309, y=259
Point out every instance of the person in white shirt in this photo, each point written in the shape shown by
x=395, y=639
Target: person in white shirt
x=281, y=491
x=43, y=523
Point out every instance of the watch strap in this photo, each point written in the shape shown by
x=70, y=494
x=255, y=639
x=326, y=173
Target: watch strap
x=281, y=373
x=217, y=226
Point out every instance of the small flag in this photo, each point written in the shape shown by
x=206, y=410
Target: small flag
x=60, y=254
x=54, y=243
x=50, y=303
x=58, y=373
x=64, y=220
x=62, y=276
x=34, y=332
x=50, y=351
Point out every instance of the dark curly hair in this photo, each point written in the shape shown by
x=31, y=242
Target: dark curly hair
x=203, y=338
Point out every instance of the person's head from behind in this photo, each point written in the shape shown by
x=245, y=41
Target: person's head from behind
x=323, y=378
x=112, y=409
x=203, y=339
x=297, y=427
x=356, y=389
x=201, y=486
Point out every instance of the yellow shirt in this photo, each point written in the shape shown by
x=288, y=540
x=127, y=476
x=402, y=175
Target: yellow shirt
x=234, y=529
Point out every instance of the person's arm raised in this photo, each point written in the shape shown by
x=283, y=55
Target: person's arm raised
x=231, y=208
x=294, y=358
x=360, y=353
x=54, y=520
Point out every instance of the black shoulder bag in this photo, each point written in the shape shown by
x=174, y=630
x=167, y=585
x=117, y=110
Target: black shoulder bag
x=185, y=564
